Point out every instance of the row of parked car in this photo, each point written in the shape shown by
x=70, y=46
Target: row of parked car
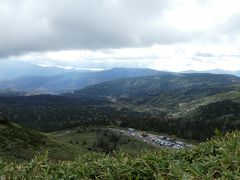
x=166, y=141
x=160, y=140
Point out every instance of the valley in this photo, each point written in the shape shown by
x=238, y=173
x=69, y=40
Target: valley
x=190, y=106
x=119, y=90
x=133, y=116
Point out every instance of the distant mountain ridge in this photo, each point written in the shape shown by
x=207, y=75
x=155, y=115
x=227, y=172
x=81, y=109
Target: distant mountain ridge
x=169, y=92
x=155, y=84
x=187, y=105
x=72, y=80
x=215, y=71
x=35, y=79
x=14, y=69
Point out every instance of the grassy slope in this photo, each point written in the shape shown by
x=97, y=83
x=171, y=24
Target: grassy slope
x=192, y=105
x=171, y=94
x=17, y=143
x=183, y=107
x=218, y=158
x=85, y=138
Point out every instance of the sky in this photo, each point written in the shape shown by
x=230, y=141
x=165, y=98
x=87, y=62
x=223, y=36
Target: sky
x=168, y=35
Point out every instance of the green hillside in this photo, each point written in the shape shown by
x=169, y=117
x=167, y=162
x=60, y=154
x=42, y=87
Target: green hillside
x=191, y=106
x=198, y=123
x=153, y=85
x=216, y=159
x=17, y=143
x=164, y=92
x=177, y=104
x=48, y=113
x=101, y=139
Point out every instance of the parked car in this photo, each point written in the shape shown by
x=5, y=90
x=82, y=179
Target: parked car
x=132, y=134
x=131, y=129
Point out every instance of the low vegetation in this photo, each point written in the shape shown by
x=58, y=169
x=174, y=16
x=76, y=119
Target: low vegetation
x=19, y=144
x=218, y=158
x=101, y=139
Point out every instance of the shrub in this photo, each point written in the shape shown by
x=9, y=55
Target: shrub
x=218, y=158
x=3, y=120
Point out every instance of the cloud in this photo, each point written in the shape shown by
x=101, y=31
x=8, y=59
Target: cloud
x=43, y=25
x=29, y=25
x=204, y=54
x=177, y=57
x=162, y=34
x=231, y=26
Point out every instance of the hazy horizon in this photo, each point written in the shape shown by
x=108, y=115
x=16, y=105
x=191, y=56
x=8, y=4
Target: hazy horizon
x=77, y=68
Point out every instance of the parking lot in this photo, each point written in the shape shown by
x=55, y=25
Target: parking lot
x=153, y=139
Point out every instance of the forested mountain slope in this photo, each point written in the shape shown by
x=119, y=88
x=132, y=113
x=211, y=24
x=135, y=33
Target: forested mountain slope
x=49, y=113
x=164, y=91
x=152, y=85
x=187, y=105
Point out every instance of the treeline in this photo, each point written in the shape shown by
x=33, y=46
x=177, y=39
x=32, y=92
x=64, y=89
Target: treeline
x=52, y=118
x=48, y=113
x=53, y=100
x=51, y=113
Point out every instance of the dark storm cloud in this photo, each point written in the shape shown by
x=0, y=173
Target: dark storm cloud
x=49, y=25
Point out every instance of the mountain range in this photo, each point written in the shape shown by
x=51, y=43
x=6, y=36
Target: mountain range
x=10, y=69
x=190, y=105
x=34, y=79
x=26, y=78
x=215, y=71
x=166, y=102
x=71, y=81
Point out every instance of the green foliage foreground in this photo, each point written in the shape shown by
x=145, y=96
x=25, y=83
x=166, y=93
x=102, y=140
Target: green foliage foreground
x=218, y=158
